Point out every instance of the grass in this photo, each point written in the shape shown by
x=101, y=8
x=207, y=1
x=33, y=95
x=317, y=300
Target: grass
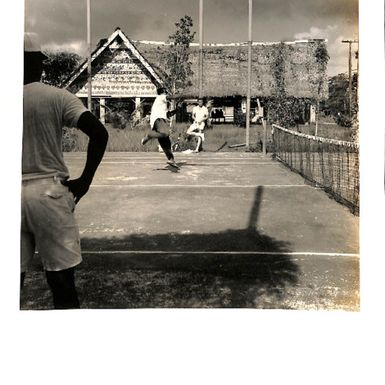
x=119, y=140
x=128, y=139
x=328, y=130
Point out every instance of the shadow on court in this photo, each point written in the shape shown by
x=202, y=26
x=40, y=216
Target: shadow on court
x=178, y=279
x=174, y=169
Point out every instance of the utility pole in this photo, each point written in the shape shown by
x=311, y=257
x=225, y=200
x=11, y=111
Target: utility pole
x=248, y=99
x=350, y=42
x=89, y=70
x=200, y=48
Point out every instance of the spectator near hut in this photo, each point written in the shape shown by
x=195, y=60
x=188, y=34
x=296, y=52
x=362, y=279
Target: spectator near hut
x=200, y=114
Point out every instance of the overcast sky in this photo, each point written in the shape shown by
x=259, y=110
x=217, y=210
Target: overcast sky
x=61, y=24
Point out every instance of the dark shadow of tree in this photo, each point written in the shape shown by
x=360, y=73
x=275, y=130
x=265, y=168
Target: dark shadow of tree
x=187, y=274
x=175, y=280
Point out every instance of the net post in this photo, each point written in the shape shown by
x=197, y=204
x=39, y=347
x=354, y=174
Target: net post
x=89, y=69
x=200, y=69
x=248, y=98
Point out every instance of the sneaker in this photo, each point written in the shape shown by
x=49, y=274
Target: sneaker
x=172, y=163
x=145, y=140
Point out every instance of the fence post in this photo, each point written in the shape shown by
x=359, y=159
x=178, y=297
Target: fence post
x=102, y=110
x=264, y=144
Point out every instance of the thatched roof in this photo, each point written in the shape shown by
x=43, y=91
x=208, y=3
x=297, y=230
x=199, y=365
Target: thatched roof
x=225, y=68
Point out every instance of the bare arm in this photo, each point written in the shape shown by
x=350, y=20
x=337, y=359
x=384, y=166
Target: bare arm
x=205, y=116
x=98, y=137
x=173, y=112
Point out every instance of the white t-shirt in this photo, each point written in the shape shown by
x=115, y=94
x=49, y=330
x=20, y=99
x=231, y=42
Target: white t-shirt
x=159, y=109
x=47, y=110
x=201, y=113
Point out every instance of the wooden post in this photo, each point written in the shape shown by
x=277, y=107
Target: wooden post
x=102, y=116
x=137, y=105
x=249, y=76
x=350, y=73
x=200, y=74
x=264, y=144
x=89, y=71
x=350, y=78
x=312, y=114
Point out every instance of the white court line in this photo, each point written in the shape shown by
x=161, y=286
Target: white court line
x=222, y=163
x=105, y=159
x=291, y=253
x=195, y=161
x=202, y=185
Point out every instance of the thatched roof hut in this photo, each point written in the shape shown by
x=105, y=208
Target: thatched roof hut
x=302, y=71
x=123, y=69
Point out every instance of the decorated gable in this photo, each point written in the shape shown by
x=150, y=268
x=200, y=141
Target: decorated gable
x=118, y=70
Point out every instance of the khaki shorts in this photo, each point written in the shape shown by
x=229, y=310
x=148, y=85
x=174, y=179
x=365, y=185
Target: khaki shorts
x=48, y=225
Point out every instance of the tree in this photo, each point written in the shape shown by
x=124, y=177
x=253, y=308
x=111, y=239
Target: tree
x=279, y=106
x=286, y=110
x=59, y=66
x=322, y=58
x=178, y=66
x=337, y=103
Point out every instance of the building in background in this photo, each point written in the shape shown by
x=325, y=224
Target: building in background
x=121, y=77
x=127, y=73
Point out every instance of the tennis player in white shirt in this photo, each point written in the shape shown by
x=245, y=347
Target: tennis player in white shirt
x=160, y=125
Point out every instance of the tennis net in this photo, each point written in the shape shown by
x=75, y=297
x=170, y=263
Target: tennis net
x=332, y=165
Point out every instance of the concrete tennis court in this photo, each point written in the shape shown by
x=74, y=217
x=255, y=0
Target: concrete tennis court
x=228, y=229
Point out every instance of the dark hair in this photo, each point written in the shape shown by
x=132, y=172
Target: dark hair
x=33, y=66
x=203, y=99
x=160, y=90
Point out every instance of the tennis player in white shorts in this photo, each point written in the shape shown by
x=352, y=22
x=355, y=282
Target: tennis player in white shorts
x=200, y=114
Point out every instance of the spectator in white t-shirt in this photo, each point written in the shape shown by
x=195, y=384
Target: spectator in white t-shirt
x=200, y=114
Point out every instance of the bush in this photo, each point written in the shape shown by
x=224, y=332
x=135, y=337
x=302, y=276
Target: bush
x=343, y=120
x=116, y=119
x=287, y=111
x=69, y=139
x=183, y=142
x=180, y=140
